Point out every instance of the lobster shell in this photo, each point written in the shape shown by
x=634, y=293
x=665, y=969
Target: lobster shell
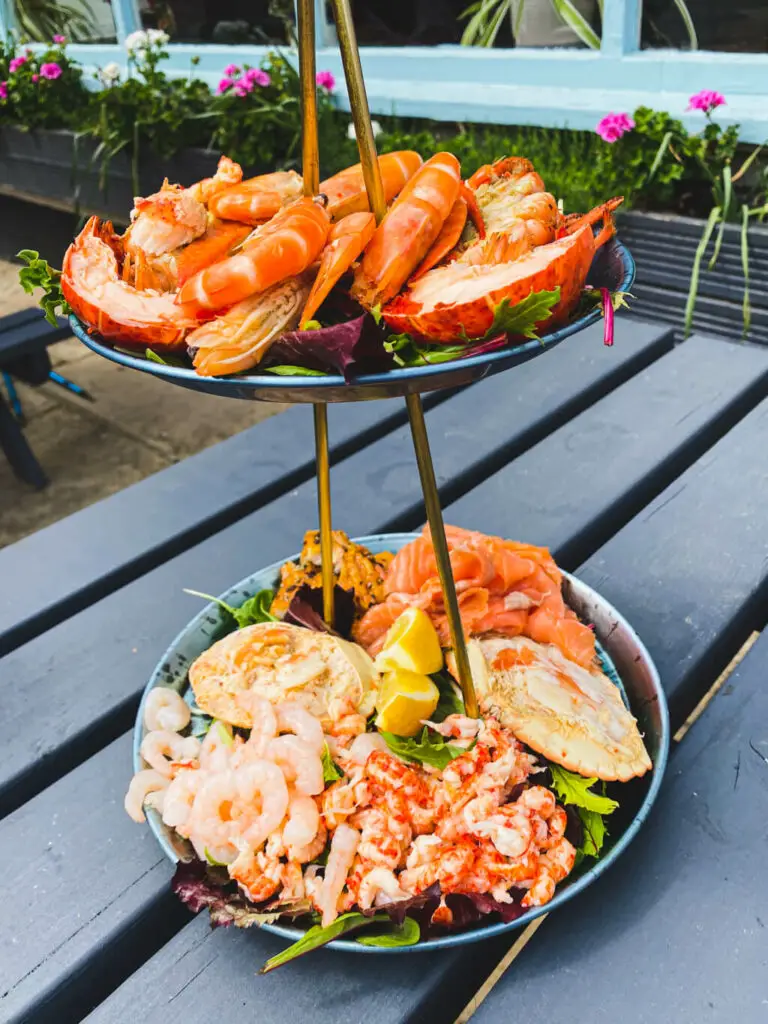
x=459, y=300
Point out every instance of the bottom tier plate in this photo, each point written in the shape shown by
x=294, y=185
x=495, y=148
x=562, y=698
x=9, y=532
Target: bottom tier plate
x=625, y=660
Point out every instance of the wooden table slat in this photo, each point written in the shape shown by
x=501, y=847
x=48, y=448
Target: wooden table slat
x=677, y=930
x=614, y=457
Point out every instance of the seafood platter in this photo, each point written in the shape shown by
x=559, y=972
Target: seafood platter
x=408, y=741
x=329, y=785
x=251, y=288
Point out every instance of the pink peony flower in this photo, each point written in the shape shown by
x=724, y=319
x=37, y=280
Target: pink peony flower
x=16, y=63
x=325, y=80
x=706, y=100
x=224, y=85
x=50, y=71
x=35, y=78
x=59, y=40
x=255, y=76
x=242, y=88
x=3, y=90
x=613, y=126
x=231, y=70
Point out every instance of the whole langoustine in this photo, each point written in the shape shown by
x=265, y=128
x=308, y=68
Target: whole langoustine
x=346, y=193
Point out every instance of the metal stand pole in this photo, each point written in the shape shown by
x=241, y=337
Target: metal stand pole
x=440, y=544
x=311, y=174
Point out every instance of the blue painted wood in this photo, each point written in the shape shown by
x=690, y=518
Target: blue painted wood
x=621, y=27
x=127, y=18
x=566, y=88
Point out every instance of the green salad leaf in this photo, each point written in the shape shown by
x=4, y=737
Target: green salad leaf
x=38, y=273
x=255, y=609
x=406, y=351
x=428, y=748
x=408, y=934
x=295, y=371
x=166, y=360
x=522, y=317
x=331, y=771
x=576, y=790
x=318, y=936
x=451, y=702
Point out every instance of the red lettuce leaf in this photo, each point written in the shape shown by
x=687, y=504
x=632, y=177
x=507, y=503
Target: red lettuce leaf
x=346, y=348
x=306, y=609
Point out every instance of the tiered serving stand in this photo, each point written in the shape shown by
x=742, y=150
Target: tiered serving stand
x=613, y=268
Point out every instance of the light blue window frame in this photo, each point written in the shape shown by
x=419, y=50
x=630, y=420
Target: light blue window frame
x=561, y=88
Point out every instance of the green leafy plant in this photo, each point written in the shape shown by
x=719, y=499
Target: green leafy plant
x=38, y=273
x=592, y=807
x=41, y=90
x=427, y=748
x=486, y=17
x=40, y=20
x=254, y=610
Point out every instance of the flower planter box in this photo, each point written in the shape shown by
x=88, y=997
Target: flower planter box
x=664, y=247
x=56, y=169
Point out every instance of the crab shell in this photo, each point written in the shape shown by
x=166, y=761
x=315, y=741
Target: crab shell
x=459, y=300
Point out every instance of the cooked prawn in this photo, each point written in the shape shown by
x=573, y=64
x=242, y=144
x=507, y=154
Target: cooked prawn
x=408, y=230
x=302, y=825
x=346, y=190
x=256, y=199
x=340, y=857
x=347, y=239
x=258, y=875
x=301, y=764
x=240, y=338
x=162, y=747
x=180, y=797
x=142, y=785
x=164, y=708
x=285, y=247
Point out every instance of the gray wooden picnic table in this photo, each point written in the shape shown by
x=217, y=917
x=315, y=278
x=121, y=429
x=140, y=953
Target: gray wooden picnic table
x=643, y=468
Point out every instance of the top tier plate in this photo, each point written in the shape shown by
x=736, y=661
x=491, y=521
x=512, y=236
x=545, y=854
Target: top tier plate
x=612, y=268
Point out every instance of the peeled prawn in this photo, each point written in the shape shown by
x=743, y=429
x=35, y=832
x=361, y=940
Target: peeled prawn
x=180, y=797
x=292, y=717
x=302, y=826
x=164, y=708
x=301, y=764
x=142, y=785
x=161, y=747
x=340, y=857
x=283, y=248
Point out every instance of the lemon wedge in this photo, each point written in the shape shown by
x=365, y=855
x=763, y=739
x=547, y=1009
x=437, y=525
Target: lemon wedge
x=404, y=699
x=412, y=643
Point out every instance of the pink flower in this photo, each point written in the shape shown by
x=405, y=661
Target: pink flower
x=17, y=63
x=50, y=71
x=613, y=126
x=223, y=86
x=60, y=40
x=255, y=76
x=325, y=80
x=242, y=88
x=3, y=90
x=706, y=100
x=35, y=78
x=231, y=70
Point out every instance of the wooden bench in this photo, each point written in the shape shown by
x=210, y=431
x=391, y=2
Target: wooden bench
x=24, y=340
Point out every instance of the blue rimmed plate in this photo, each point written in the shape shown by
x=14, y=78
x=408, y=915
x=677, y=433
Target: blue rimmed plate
x=625, y=660
x=612, y=268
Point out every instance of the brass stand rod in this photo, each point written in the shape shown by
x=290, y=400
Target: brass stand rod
x=324, y=508
x=310, y=154
x=440, y=544
x=358, y=101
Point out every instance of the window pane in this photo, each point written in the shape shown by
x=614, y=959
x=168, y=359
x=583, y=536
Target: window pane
x=505, y=23
x=221, y=21
x=81, y=21
x=740, y=26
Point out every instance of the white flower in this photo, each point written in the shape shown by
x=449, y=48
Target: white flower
x=375, y=127
x=156, y=37
x=136, y=41
x=110, y=72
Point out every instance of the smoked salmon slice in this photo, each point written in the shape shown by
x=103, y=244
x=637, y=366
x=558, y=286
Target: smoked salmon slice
x=502, y=587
